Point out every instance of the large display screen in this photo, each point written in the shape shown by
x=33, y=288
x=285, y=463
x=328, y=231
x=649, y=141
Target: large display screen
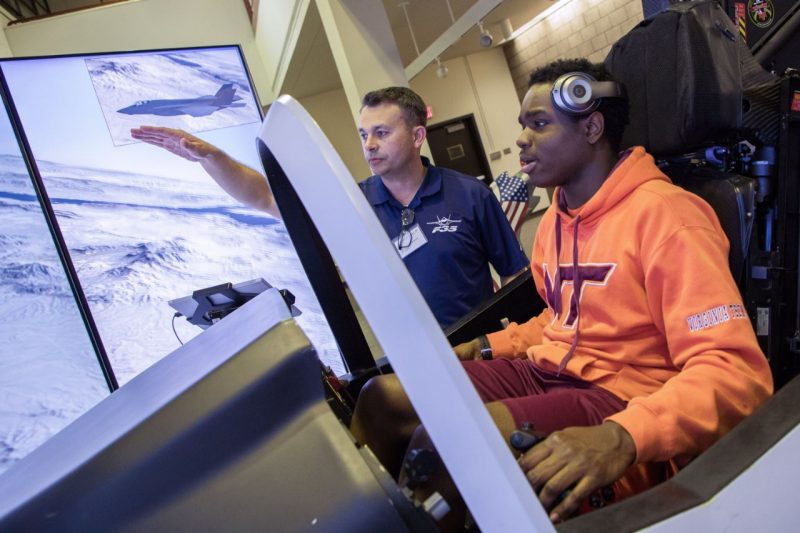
x=142, y=225
x=49, y=372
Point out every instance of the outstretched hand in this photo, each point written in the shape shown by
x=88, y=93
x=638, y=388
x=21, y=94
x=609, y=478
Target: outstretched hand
x=240, y=181
x=176, y=141
x=580, y=458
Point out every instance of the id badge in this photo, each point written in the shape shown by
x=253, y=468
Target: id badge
x=410, y=241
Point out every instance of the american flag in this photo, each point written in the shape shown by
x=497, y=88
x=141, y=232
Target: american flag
x=512, y=192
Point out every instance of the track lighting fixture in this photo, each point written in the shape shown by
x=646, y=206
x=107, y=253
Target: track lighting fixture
x=486, y=38
x=441, y=70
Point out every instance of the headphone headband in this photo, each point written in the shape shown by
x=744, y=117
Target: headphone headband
x=578, y=93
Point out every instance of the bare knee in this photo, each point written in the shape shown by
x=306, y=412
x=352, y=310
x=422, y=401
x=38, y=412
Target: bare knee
x=382, y=389
x=384, y=420
x=382, y=398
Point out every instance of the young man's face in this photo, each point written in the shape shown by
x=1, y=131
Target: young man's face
x=390, y=144
x=551, y=146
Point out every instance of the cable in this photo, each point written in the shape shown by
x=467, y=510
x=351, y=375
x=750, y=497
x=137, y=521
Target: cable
x=176, y=315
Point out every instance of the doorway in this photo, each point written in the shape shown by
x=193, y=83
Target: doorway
x=456, y=144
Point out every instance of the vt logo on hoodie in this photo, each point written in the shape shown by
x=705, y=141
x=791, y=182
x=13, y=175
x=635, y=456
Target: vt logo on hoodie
x=588, y=274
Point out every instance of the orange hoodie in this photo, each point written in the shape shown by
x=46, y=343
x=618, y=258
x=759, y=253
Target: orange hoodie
x=657, y=319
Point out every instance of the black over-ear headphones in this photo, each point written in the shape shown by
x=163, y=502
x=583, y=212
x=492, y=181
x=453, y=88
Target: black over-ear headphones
x=578, y=93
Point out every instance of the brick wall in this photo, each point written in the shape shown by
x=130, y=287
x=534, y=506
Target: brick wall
x=578, y=28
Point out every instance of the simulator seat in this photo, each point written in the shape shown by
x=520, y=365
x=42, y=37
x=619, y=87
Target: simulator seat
x=733, y=198
x=703, y=106
x=747, y=481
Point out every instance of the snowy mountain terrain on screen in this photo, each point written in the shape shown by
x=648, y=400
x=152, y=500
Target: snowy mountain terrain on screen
x=49, y=373
x=136, y=242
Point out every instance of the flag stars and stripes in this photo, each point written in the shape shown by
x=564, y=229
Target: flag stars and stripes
x=512, y=192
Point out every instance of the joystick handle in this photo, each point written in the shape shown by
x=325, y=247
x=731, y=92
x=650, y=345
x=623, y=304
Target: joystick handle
x=524, y=438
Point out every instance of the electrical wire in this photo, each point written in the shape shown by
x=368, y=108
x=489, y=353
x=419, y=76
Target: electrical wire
x=176, y=315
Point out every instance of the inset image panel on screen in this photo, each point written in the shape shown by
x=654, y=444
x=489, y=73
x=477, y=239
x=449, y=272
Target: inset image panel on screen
x=191, y=90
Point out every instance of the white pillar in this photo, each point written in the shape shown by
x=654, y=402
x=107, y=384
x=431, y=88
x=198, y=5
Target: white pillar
x=363, y=47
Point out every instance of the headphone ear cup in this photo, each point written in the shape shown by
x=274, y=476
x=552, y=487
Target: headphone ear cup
x=572, y=93
x=578, y=93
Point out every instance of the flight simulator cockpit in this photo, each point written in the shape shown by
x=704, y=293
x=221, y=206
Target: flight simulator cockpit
x=245, y=424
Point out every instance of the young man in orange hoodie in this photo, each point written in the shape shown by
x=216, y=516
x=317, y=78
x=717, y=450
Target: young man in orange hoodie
x=645, y=352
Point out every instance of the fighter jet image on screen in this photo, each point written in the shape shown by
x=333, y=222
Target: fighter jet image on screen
x=196, y=107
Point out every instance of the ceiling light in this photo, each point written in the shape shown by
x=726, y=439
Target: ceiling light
x=486, y=38
x=441, y=70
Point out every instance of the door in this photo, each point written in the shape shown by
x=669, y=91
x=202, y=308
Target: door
x=456, y=144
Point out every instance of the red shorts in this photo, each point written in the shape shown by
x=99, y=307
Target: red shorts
x=550, y=402
x=547, y=401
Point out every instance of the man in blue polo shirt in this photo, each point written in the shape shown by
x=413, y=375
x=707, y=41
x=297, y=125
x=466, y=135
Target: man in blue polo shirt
x=446, y=226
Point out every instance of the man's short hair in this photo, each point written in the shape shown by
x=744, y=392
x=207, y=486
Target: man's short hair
x=614, y=110
x=412, y=106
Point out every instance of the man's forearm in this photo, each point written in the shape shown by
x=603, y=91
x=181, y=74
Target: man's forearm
x=241, y=182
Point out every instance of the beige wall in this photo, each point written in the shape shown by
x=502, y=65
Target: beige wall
x=5, y=49
x=479, y=84
x=143, y=24
x=278, y=30
x=578, y=28
x=332, y=112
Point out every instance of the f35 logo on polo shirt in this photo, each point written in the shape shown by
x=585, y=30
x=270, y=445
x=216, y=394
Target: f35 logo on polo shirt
x=444, y=225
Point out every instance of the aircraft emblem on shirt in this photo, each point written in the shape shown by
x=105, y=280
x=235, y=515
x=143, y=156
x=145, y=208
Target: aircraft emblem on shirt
x=444, y=224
